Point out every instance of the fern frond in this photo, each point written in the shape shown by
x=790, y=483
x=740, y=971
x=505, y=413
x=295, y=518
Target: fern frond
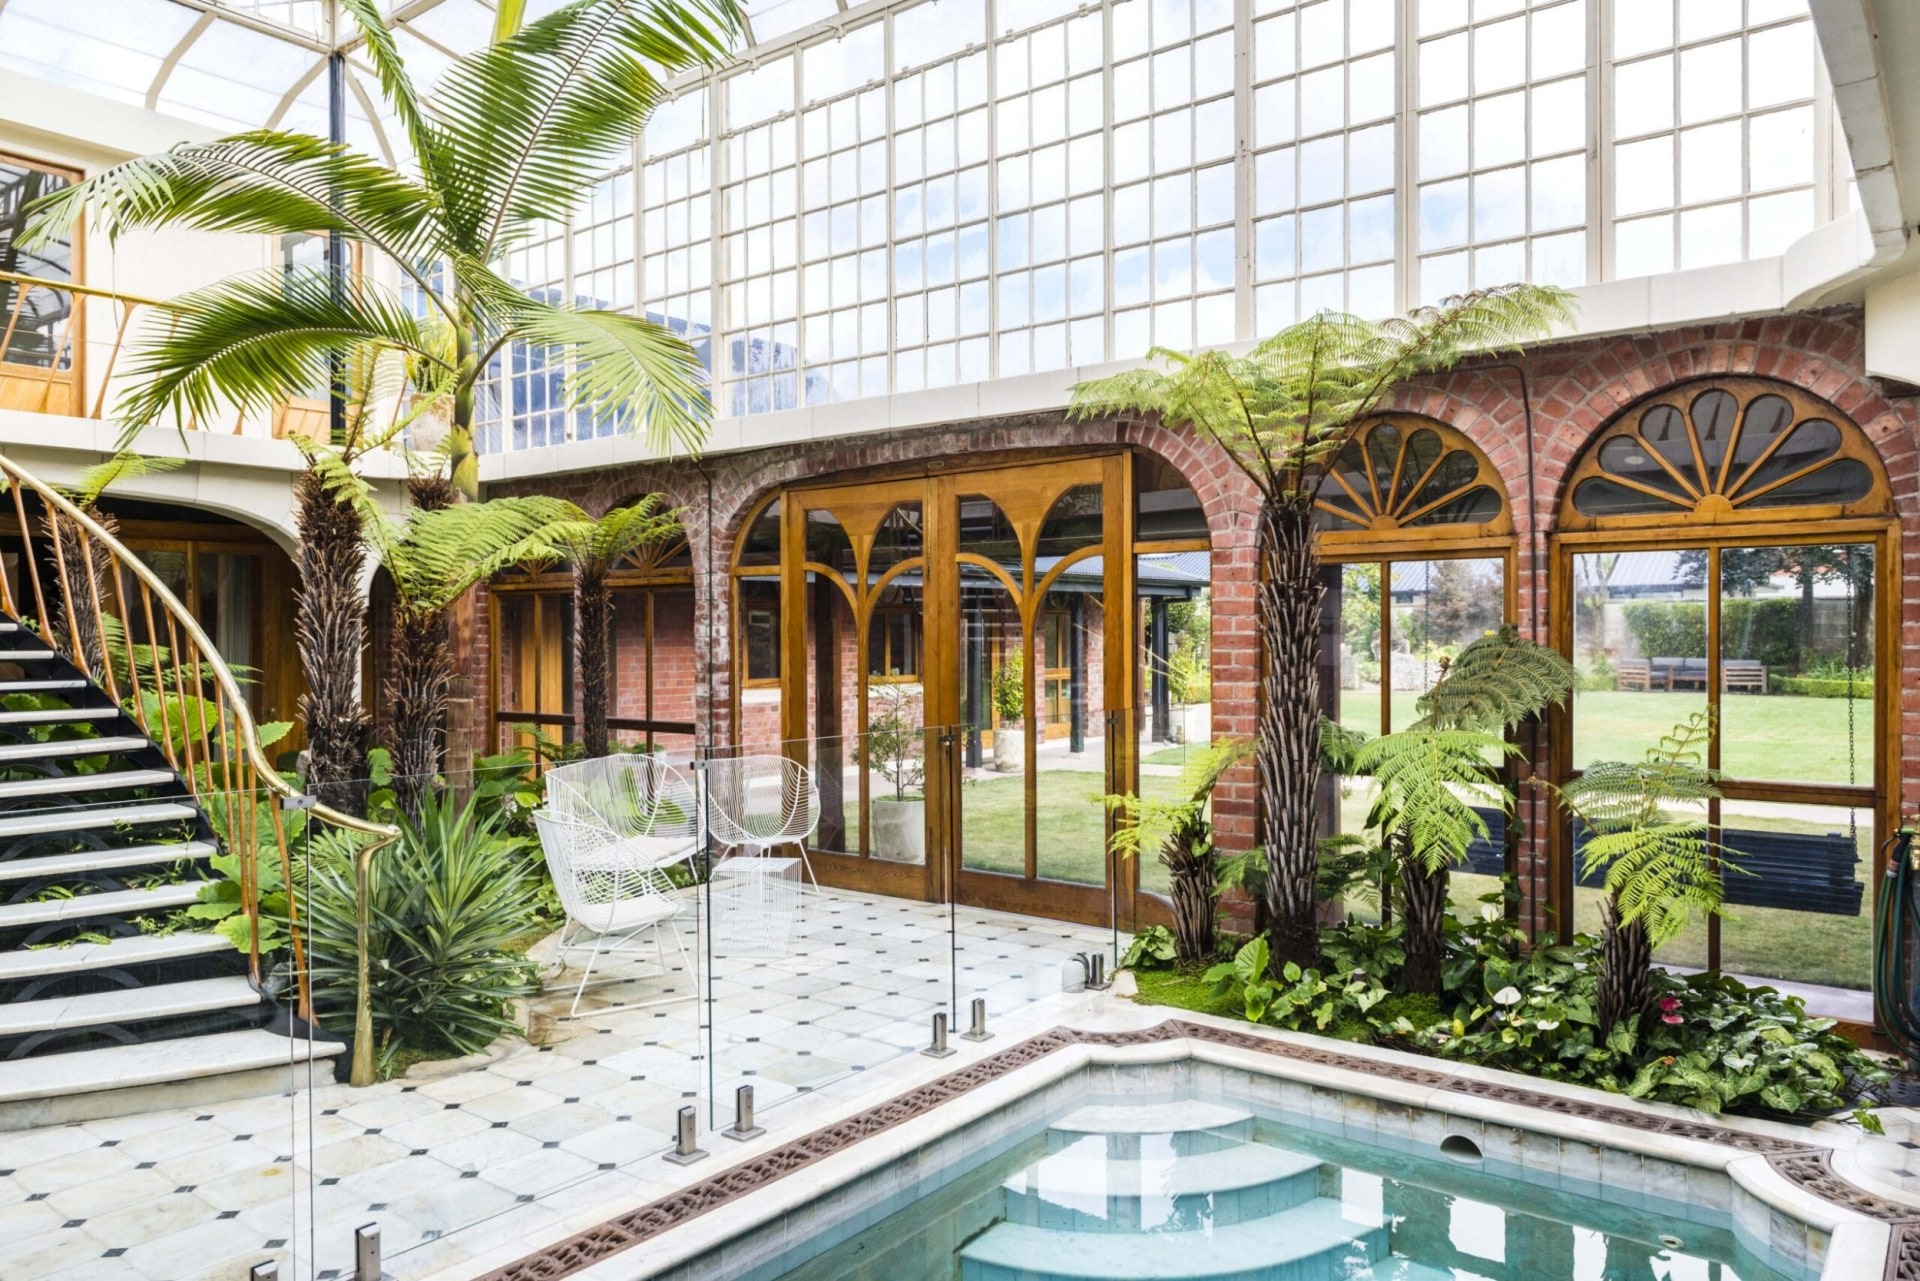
x=1429, y=780
x=100, y=477
x=1498, y=680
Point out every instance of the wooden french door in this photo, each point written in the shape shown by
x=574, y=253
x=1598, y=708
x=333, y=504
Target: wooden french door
x=944, y=672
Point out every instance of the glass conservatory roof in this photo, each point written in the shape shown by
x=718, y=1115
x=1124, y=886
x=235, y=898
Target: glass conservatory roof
x=242, y=64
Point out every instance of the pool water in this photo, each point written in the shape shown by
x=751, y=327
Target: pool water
x=1181, y=1190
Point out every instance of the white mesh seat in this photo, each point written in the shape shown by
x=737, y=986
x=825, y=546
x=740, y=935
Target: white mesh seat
x=647, y=804
x=757, y=804
x=611, y=897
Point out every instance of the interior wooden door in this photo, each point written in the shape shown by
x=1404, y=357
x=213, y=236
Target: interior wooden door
x=853, y=676
x=1027, y=559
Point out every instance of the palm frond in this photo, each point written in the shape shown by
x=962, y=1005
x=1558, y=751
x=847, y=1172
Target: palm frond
x=396, y=85
x=261, y=182
x=125, y=465
x=255, y=341
x=1498, y=680
x=1431, y=780
x=620, y=363
x=529, y=122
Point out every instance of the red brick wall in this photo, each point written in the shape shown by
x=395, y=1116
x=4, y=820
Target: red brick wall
x=1574, y=388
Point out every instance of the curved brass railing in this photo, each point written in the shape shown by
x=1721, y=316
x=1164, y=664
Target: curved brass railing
x=183, y=696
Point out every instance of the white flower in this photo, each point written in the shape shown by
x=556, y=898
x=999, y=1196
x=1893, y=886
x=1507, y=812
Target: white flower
x=1507, y=996
x=1489, y=913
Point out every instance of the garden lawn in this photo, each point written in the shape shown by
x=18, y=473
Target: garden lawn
x=1070, y=823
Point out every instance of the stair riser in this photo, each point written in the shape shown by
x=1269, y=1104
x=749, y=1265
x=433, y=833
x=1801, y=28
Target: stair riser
x=100, y=1036
x=1161, y=1213
x=208, y=965
x=1329, y=1265
x=1128, y=1147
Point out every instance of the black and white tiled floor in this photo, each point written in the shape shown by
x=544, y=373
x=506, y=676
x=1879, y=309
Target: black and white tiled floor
x=521, y=1144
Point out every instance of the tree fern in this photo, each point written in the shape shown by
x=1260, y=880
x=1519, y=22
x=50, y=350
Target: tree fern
x=1428, y=782
x=1496, y=681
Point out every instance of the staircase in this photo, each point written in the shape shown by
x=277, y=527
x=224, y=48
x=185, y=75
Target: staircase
x=1178, y=1192
x=121, y=745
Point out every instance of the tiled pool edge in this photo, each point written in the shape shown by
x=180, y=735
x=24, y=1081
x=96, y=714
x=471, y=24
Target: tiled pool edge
x=1793, y=1175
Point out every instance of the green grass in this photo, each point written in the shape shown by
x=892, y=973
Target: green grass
x=1070, y=823
x=1762, y=736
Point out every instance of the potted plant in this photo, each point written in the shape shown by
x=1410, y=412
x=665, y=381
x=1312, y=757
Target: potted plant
x=1010, y=714
x=895, y=748
x=1190, y=689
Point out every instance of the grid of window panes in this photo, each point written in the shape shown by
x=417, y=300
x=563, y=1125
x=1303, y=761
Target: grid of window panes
x=528, y=382
x=1501, y=144
x=601, y=267
x=1324, y=96
x=957, y=190
x=1173, y=197
x=843, y=220
x=676, y=222
x=1714, y=117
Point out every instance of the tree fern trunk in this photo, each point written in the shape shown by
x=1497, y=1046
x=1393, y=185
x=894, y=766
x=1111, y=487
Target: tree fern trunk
x=1287, y=744
x=417, y=703
x=330, y=633
x=1188, y=858
x=1423, y=900
x=1626, y=978
x=592, y=630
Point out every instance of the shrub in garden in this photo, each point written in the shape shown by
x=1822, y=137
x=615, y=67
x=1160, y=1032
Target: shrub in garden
x=449, y=905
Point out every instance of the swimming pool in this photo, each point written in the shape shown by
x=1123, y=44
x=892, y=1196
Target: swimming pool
x=1179, y=1188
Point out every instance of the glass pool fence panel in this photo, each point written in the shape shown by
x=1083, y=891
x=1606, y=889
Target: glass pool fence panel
x=827, y=943
x=535, y=971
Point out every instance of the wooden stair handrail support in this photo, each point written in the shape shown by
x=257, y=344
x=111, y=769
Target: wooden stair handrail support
x=76, y=537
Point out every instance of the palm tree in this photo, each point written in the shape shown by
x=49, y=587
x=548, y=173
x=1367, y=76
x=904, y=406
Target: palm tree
x=1281, y=412
x=1661, y=867
x=512, y=136
x=1430, y=777
x=591, y=549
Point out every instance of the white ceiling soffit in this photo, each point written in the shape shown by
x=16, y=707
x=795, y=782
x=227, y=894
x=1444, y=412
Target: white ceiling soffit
x=1872, y=51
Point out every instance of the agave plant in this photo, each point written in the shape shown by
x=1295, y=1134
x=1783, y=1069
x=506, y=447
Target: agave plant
x=446, y=905
x=1281, y=412
x=511, y=138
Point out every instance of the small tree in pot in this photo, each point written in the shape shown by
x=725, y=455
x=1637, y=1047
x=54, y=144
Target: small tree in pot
x=1010, y=715
x=896, y=747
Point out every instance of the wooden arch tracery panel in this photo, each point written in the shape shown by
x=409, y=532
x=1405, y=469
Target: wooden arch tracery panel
x=1408, y=480
x=1722, y=451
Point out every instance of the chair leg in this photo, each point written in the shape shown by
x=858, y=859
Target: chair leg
x=592, y=956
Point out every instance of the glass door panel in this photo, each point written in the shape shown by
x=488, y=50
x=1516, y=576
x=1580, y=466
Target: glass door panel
x=1070, y=758
x=990, y=677
x=1639, y=649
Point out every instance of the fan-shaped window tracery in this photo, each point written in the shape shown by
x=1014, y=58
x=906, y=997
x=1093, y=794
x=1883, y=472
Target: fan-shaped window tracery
x=1408, y=474
x=1733, y=449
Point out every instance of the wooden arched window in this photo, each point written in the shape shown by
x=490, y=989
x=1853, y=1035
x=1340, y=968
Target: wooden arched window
x=1735, y=449
x=1727, y=549
x=1408, y=479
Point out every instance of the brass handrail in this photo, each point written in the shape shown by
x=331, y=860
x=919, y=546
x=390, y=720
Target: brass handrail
x=74, y=624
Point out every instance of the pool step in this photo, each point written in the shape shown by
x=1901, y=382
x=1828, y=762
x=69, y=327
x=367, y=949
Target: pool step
x=1312, y=1241
x=1078, y=1190
x=1129, y=1128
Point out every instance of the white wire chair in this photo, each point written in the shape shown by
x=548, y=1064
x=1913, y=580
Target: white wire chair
x=757, y=804
x=611, y=896
x=643, y=801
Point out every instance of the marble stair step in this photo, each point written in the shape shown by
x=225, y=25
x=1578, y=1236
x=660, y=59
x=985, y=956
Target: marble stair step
x=126, y=1005
x=1076, y=1191
x=1127, y=1128
x=42, y=686
x=26, y=655
x=1312, y=1241
x=136, y=949
x=84, y=906
x=112, y=781
x=14, y=752
x=132, y=814
x=170, y=1063
x=81, y=862
x=58, y=715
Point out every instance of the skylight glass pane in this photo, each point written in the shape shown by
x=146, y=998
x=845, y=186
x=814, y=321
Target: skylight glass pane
x=231, y=76
x=309, y=17
x=782, y=16
x=455, y=25
x=110, y=47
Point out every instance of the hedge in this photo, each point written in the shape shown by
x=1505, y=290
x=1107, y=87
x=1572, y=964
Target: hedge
x=1819, y=686
x=1768, y=630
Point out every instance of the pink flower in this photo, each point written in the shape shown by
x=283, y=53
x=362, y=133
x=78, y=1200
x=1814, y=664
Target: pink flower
x=1668, y=1004
x=1671, y=1018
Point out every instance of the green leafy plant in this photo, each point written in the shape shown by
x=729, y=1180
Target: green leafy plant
x=1182, y=835
x=1009, y=690
x=449, y=905
x=895, y=745
x=1429, y=778
x=1648, y=820
x=1152, y=949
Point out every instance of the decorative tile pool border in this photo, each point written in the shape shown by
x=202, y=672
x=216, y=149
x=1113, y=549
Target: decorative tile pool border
x=1806, y=1165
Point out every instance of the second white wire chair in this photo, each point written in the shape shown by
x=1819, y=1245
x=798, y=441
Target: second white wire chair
x=757, y=804
x=645, y=802
x=611, y=896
